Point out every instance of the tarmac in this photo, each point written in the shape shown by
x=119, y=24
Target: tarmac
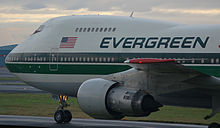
x=32, y=121
x=15, y=86
x=19, y=89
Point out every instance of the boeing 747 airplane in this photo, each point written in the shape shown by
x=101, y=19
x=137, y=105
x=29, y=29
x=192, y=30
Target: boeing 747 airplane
x=121, y=66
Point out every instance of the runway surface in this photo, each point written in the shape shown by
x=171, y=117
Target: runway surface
x=5, y=73
x=32, y=121
x=19, y=89
x=15, y=86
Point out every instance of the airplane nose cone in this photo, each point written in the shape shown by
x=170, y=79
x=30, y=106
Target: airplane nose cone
x=8, y=60
x=10, y=57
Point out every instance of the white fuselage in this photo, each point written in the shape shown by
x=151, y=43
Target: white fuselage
x=102, y=44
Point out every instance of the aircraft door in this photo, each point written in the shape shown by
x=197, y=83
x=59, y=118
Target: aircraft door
x=53, y=66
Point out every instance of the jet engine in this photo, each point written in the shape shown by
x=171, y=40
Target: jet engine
x=104, y=99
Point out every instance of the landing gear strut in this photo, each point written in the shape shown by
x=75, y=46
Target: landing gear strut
x=61, y=115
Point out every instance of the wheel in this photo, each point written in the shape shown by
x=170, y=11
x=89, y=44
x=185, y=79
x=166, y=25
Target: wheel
x=214, y=125
x=59, y=116
x=68, y=116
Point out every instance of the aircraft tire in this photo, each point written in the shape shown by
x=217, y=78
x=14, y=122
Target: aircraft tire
x=214, y=125
x=68, y=116
x=59, y=116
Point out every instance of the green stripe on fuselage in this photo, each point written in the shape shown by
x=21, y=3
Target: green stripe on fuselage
x=96, y=69
x=87, y=69
x=209, y=70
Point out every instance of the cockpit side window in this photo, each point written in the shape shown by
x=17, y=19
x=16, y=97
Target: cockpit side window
x=39, y=29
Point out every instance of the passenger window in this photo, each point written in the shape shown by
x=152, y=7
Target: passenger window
x=113, y=59
x=183, y=60
x=109, y=29
x=100, y=59
x=212, y=60
x=101, y=29
x=76, y=30
x=202, y=60
x=84, y=59
x=88, y=30
x=105, y=29
x=114, y=29
x=92, y=29
x=61, y=59
x=97, y=29
x=217, y=60
x=96, y=59
x=80, y=30
x=193, y=60
x=84, y=30
x=104, y=59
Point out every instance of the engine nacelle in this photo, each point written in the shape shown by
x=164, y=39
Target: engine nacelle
x=104, y=99
x=92, y=96
x=129, y=102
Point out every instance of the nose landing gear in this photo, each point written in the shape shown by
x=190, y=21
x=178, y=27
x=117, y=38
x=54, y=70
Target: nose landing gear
x=61, y=115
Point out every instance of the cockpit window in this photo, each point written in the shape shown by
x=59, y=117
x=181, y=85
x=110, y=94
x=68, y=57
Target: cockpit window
x=39, y=29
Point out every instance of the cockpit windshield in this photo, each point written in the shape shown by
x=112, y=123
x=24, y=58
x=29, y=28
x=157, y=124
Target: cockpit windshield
x=39, y=29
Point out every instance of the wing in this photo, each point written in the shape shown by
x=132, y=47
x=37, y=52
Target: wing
x=169, y=78
x=170, y=67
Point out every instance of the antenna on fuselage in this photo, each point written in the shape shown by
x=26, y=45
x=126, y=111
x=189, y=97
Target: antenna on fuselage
x=131, y=15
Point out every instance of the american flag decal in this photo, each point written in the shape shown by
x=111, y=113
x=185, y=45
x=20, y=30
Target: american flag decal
x=68, y=42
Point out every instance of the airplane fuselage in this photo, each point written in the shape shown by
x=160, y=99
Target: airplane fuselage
x=100, y=45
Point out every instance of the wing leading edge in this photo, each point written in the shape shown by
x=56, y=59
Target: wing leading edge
x=150, y=65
